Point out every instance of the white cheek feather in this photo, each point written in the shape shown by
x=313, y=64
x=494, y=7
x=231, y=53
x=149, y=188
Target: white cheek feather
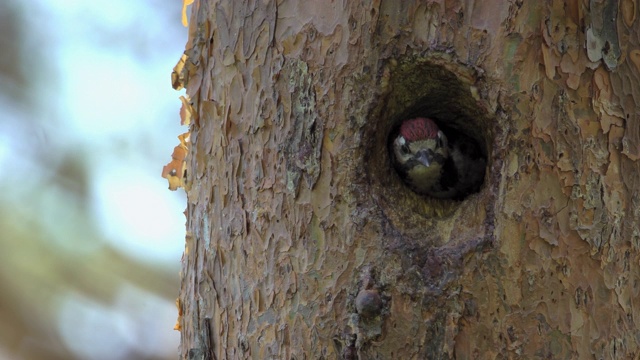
x=442, y=139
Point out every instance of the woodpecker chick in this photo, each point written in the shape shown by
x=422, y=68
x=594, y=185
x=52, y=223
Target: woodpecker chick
x=433, y=164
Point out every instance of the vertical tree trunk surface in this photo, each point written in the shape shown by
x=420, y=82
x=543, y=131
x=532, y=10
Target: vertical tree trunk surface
x=304, y=243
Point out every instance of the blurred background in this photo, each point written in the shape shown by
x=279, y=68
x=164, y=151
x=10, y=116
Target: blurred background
x=90, y=236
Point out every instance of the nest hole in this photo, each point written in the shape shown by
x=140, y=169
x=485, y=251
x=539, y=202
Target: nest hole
x=446, y=92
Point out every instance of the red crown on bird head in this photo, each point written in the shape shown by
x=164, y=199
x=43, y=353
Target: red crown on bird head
x=419, y=129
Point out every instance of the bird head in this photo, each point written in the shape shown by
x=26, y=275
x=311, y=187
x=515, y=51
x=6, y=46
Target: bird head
x=420, y=143
x=420, y=151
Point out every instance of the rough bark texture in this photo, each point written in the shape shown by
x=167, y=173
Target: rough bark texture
x=303, y=243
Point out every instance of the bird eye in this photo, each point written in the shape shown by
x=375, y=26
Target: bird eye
x=401, y=143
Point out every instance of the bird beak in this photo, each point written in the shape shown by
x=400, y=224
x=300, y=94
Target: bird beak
x=423, y=157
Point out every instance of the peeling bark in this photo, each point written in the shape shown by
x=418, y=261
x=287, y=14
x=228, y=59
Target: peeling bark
x=304, y=243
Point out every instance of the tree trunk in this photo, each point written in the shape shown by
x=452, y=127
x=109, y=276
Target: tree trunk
x=304, y=243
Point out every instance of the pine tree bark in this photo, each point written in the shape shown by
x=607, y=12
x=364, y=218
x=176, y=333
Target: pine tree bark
x=303, y=242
